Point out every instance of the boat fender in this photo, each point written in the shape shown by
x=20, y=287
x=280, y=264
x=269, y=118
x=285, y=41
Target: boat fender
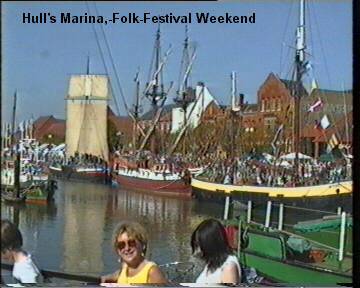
x=317, y=256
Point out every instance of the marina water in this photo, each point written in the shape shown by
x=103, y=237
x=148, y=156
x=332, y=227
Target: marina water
x=74, y=233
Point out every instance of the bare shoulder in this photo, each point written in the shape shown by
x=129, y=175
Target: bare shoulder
x=156, y=276
x=231, y=273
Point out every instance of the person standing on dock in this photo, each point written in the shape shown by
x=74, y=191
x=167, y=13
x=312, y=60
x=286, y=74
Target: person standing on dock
x=25, y=271
x=130, y=243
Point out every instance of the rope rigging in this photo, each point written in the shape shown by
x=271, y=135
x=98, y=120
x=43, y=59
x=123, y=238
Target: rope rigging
x=114, y=68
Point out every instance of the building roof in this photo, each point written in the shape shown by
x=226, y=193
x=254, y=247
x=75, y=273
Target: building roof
x=150, y=115
x=250, y=108
x=46, y=121
x=290, y=85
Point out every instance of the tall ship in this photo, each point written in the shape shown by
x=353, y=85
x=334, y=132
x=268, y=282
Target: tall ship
x=315, y=194
x=87, y=154
x=152, y=170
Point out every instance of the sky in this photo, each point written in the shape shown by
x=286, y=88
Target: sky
x=38, y=59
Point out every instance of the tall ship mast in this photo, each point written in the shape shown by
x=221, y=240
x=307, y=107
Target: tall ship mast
x=185, y=94
x=136, y=112
x=155, y=91
x=86, y=117
x=322, y=194
x=155, y=87
x=299, y=72
x=13, y=122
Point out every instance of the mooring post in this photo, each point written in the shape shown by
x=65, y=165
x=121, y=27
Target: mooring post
x=249, y=211
x=268, y=213
x=342, y=236
x=226, y=210
x=281, y=216
x=339, y=211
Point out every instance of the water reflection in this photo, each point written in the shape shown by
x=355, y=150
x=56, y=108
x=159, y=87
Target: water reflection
x=74, y=233
x=84, y=210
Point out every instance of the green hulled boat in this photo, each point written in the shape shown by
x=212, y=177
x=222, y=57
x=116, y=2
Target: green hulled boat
x=41, y=193
x=294, y=260
x=316, y=252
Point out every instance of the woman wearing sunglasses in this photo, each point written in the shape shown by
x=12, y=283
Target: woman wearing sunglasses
x=209, y=242
x=130, y=243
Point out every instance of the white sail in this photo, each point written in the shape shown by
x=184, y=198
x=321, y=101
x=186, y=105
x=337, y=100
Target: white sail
x=86, y=121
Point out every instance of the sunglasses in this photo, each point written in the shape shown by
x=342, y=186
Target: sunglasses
x=122, y=244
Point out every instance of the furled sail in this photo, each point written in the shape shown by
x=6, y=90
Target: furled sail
x=86, y=121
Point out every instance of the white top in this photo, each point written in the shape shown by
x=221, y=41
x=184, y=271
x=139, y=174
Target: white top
x=26, y=271
x=215, y=277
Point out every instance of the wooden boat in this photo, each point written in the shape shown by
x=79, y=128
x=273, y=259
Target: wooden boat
x=41, y=193
x=86, y=139
x=328, y=196
x=18, y=188
x=297, y=255
x=272, y=255
x=93, y=174
x=9, y=197
x=157, y=180
x=323, y=197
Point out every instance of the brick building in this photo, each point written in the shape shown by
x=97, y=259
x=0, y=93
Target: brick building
x=48, y=129
x=337, y=106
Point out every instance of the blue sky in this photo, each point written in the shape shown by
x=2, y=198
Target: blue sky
x=38, y=59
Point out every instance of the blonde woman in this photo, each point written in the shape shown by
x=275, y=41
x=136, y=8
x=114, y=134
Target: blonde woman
x=130, y=243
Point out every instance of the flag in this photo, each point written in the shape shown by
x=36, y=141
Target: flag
x=325, y=122
x=317, y=106
x=308, y=66
x=21, y=126
x=314, y=85
x=333, y=142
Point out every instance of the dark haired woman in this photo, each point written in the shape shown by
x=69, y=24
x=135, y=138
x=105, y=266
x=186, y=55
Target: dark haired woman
x=24, y=271
x=210, y=243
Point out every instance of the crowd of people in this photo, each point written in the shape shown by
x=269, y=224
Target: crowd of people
x=261, y=173
x=209, y=242
x=78, y=160
x=255, y=169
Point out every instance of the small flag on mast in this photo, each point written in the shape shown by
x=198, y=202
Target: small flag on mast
x=324, y=122
x=317, y=106
x=314, y=84
x=333, y=142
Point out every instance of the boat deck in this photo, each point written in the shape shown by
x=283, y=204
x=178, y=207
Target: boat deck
x=331, y=262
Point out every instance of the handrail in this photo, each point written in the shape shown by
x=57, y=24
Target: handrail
x=62, y=275
x=306, y=209
x=309, y=239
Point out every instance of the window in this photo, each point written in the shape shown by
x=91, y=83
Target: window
x=273, y=103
